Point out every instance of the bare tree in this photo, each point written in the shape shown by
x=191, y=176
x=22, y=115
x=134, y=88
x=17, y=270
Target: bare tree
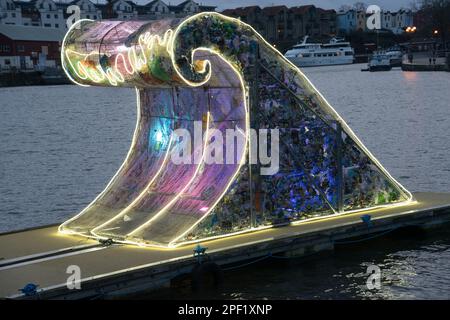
x=414, y=5
x=344, y=8
x=360, y=6
x=437, y=18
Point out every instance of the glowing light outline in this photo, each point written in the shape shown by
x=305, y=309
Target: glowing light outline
x=62, y=52
x=127, y=158
x=410, y=198
x=347, y=130
x=139, y=197
x=169, y=48
x=241, y=163
x=188, y=184
x=205, y=64
x=244, y=153
x=146, y=43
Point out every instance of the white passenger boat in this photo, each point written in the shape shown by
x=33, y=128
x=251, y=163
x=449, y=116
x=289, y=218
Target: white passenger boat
x=337, y=51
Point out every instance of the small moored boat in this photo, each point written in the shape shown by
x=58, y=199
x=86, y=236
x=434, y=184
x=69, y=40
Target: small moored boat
x=379, y=62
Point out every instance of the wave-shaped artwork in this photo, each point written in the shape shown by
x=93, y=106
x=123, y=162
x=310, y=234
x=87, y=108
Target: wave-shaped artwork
x=205, y=75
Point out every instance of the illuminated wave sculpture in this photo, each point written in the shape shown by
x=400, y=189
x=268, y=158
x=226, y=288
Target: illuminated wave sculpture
x=206, y=74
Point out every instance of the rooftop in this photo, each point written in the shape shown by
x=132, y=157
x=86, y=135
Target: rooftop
x=25, y=33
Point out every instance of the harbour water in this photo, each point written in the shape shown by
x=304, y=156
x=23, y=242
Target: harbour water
x=60, y=145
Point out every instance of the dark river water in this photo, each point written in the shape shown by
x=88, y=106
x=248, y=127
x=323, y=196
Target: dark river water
x=60, y=145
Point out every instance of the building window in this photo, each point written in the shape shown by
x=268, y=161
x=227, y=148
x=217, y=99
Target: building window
x=48, y=16
x=47, y=25
x=95, y=17
x=56, y=16
x=88, y=16
x=5, y=48
x=20, y=48
x=13, y=15
x=56, y=25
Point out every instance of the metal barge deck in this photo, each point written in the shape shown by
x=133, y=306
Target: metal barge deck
x=41, y=256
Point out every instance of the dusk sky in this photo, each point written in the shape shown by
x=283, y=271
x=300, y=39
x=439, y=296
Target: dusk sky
x=326, y=4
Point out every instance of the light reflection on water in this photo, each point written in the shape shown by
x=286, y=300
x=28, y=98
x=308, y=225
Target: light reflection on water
x=60, y=145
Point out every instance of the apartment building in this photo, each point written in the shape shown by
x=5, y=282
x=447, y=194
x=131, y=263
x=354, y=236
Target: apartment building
x=356, y=20
x=53, y=13
x=283, y=26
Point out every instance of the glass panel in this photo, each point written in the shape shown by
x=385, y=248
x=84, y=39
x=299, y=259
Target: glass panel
x=305, y=185
x=365, y=184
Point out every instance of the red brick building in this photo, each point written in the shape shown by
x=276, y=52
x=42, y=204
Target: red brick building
x=283, y=26
x=24, y=47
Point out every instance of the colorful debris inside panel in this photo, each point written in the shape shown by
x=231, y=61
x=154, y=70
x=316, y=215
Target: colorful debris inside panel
x=197, y=79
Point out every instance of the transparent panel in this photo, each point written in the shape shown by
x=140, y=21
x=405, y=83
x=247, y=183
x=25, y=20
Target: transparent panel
x=198, y=79
x=364, y=183
x=305, y=185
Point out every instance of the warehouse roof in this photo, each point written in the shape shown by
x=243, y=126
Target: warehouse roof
x=25, y=33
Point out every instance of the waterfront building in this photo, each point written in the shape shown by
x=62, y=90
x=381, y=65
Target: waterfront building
x=251, y=15
x=404, y=19
x=361, y=20
x=53, y=14
x=398, y=21
x=88, y=9
x=10, y=13
x=276, y=23
x=346, y=21
x=306, y=21
x=31, y=31
x=118, y=9
x=283, y=26
x=153, y=9
x=356, y=20
x=386, y=20
x=28, y=48
x=327, y=19
x=124, y=10
x=44, y=13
